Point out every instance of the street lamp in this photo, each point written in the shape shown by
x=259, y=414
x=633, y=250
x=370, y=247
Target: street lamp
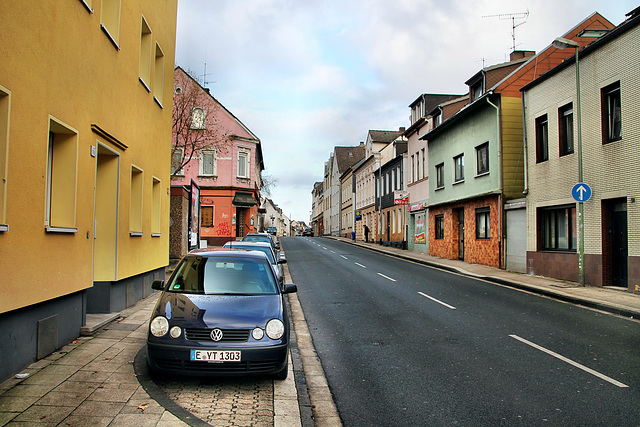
x=562, y=43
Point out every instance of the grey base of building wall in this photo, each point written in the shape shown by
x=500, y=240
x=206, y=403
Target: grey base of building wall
x=564, y=266
x=107, y=297
x=33, y=332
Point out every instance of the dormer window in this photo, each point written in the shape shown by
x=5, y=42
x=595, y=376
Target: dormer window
x=475, y=91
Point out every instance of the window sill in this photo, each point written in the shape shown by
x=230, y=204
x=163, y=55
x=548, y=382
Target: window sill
x=158, y=102
x=136, y=233
x=201, y=176
x=113, y=40
x=458, y=182
x=86, y=6
x=4, y=227
x=156, y=234
x=483, y=174
x=144, y=84
x=439, y=188
x=609, y=141
x=63, y=230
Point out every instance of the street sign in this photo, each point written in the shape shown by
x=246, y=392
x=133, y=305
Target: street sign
x=581, y=192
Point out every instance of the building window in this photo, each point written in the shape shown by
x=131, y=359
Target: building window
x=158, y=81
x=413, y=169
x=440, y=176
x=557, y=226
x=418, y=167
x=5, y=103
x=206, y=216
x=458, y=165
x=482, y=158
x=208, y=163
x=565, y=129
x=62, y=175
x=424, y=163
x=156, y=205
x=611, y=113
x=176, y=162
x=110, y=20
x=542, y=139
x=198, y=118
x=146, y=43
x=439, y=229
x=483, y=217
x=243, y=164
x=135, y=205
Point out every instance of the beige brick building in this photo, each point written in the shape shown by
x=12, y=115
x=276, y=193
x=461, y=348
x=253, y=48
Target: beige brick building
x=610, y=83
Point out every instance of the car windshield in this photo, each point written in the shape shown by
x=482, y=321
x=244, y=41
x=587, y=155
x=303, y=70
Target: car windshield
x=223, y=276
x=266, y=249
x=257, y=239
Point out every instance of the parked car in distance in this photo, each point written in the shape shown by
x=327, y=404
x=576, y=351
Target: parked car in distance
x=221, y=313
x=265, y=247
x=307, y=232
x=272, y=230
x=262, y=237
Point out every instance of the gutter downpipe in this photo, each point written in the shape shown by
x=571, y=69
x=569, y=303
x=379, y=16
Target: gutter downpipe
x=525, y=147
x=501, y=197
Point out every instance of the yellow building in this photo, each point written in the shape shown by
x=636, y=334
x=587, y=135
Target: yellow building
x=86, y=91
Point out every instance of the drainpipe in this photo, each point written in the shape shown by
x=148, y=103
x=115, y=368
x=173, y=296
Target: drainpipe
x=525, y=147
x=501, y=198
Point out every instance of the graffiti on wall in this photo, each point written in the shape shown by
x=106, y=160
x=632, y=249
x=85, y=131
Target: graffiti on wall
x=223, y=229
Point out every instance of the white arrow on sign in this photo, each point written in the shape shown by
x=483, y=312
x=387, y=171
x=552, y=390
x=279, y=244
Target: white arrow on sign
x=582, y=190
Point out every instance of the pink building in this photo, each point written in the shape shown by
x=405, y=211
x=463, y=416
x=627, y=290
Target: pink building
x=226, y=163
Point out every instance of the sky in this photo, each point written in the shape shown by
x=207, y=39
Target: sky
x=308, y=75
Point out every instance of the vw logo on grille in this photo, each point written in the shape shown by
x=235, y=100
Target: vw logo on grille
x=216, y=334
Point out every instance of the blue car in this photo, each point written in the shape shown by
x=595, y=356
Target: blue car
x=221, y=313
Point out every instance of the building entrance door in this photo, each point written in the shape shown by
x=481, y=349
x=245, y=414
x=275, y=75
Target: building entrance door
x=240, y=222
x=461, y=234
x=619, y=245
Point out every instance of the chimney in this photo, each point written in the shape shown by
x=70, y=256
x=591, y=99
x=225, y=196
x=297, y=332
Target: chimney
x=519, y=54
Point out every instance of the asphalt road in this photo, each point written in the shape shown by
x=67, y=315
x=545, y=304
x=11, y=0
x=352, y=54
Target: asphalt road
x=404, y=344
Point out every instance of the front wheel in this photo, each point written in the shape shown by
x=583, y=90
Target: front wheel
x=282, y=375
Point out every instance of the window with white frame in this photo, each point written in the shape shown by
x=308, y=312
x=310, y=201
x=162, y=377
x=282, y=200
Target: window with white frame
x=440, y=176
x=243, y=164
x=146, y=43
x=482, y=158
x=110, y=20
x=458, y=164
x=176, y=162
x=208, y=163
x=158, y=84
x=611, y=113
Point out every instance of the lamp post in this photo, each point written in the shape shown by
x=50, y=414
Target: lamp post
x=562, y=43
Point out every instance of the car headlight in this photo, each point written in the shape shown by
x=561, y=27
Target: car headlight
x=275, y=329
x=175, y=332
x=257, y=334
x=159, y=326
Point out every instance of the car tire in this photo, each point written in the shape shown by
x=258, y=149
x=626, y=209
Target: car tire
x=282, y=375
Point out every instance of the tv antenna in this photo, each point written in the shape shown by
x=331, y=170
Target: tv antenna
x=205, y=82
x=512, y=17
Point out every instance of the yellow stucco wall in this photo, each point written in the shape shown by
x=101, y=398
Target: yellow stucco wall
x=61, y=67
x=512, y=147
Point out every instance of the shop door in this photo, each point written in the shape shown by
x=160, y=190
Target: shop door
x=240, y=222
x=461, y=234
x=619, y=245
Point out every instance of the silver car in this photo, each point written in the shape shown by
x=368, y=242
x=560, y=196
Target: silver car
x=265, y=247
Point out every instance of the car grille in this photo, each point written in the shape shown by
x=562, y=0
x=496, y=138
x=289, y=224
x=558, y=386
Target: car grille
x=228, y=335
x=231, y=367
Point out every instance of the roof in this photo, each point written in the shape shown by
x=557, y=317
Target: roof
x=630, y=23
x=348, y=156
x=384, y=135
x=433, y=99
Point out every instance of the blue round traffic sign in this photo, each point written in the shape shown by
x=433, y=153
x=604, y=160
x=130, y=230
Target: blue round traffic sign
x=581, y=192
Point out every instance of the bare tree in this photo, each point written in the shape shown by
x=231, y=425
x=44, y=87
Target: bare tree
x=269, y=182
x=195, y=123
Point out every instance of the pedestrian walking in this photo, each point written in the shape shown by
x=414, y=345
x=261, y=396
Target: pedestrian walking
x=366, y=233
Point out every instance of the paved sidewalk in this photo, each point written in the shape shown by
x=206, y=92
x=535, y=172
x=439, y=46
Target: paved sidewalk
x=613, y=301
x=101, y=380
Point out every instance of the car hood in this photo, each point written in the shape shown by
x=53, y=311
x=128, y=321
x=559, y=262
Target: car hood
x=219, y=311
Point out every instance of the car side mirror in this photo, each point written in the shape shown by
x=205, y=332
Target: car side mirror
x=282, y=260
x=158, y=285
x=290, y=289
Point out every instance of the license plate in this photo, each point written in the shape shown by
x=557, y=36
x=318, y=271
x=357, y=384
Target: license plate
x=215, y=356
